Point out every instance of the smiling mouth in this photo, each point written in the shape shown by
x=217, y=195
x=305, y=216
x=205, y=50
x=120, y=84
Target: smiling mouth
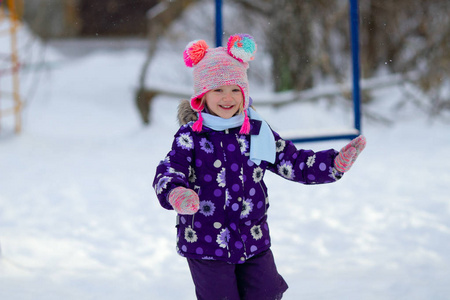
x=226, y=106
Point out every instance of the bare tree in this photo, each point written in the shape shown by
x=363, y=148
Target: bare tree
x=410, y=37
x=159, y=19
x=310, y=39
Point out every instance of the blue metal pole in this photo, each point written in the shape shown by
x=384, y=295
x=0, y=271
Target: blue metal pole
x=219, y=27
x=354, y=27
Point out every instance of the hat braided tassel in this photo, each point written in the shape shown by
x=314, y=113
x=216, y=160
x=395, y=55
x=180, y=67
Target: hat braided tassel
x=197, y=126
x=245, y=128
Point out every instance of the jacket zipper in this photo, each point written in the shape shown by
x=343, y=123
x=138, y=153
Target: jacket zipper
x=266, y=200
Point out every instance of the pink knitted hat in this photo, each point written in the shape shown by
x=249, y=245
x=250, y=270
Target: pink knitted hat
x=215, y=67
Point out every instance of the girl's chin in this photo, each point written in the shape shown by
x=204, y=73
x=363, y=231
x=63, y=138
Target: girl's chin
x=227, y=115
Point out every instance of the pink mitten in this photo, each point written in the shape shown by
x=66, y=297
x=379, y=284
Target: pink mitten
x=184, y=201
x=347, y=156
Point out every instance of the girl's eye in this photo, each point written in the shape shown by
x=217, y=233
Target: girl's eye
x=218, y=90
x=236, y=90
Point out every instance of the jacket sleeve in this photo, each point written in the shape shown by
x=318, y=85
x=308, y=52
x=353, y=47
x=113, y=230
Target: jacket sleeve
x=304, y=166
x=173, y=171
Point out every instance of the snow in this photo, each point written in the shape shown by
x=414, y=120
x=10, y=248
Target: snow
x=80, y=220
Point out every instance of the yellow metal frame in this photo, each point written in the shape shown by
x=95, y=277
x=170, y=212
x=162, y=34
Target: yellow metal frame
x=15, y=9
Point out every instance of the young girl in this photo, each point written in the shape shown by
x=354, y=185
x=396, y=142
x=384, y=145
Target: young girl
x=213, y=177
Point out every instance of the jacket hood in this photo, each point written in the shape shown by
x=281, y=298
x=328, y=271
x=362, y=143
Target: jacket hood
x=185, y=113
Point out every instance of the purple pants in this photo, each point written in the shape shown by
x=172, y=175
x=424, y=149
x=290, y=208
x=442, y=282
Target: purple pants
x=256, y=279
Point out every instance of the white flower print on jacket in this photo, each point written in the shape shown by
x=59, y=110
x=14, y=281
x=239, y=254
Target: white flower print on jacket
x=185, y=141
x=221, y=180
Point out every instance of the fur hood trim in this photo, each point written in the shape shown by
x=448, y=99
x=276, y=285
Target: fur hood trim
x=185, y=113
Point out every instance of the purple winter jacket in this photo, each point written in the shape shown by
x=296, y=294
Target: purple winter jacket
x=231, y=224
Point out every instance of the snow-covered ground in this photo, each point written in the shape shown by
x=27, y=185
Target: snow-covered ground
x=80, y=220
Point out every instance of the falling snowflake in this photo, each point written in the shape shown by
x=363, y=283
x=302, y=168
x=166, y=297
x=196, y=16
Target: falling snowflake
x=162, y=184
x=190, y=235
x=257, y=174
x=243, y=144
x=280, y=144
x=285, y=169
x=221, y=178
x=207, y=208
x=311, y=160
x=206, y=146
x=185, y=141
x=256, y=232
x=223, y=238
x=247, y=207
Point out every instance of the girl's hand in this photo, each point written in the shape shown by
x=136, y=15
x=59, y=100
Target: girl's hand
x=347, y=156
x=184, y=201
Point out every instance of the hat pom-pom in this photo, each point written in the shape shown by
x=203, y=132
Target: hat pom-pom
x=242, y=47
x=194, y=52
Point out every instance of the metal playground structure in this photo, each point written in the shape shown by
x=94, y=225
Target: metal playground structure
x=356, y=90
x=10, y=99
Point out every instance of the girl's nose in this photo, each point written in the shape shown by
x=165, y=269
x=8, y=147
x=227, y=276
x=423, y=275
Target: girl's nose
x=228, y=96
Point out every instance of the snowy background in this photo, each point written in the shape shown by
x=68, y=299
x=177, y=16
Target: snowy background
x=80, y=220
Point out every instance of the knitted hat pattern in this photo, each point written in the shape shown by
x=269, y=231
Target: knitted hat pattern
x=215, y=67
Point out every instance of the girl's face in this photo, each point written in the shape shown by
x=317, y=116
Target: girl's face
x=224, y=101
